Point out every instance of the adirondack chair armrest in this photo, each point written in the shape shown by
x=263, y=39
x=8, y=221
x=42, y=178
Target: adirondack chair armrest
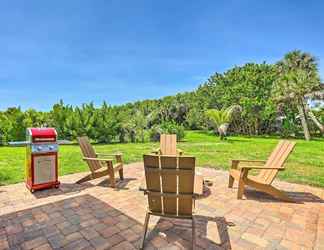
x=252, y=161
x=157, y=151
x=97, y=159
x=104, y=154
x=118, y=156
x=236, y=163
x=258, y=167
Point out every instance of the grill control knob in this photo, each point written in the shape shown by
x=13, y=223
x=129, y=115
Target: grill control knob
x=39, y=148
x=51, y=147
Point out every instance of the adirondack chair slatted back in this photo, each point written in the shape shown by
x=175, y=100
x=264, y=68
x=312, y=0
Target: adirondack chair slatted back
x=186, y=184
x=170, y=184
x=168, y=144
x=277, y=159
x=88, y=151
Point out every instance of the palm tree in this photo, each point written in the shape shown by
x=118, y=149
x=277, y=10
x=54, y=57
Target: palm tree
x=298, y=75
x=222, y=118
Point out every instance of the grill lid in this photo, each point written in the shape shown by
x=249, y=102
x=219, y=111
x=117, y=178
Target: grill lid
x=43, y=132
x=41, y=135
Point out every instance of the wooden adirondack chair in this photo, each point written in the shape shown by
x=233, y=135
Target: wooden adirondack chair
x=170, y=188
x=168, y=145
x=269, y=170
x=95, y=163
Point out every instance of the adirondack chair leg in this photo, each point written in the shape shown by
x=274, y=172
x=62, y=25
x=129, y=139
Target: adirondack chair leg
x=193, y=233
x=147, y=218
x=241, y=184
x=84, y=179
x=230, y=181
x=240, y=190
x=121, y=174
x=119, y=159
x=277, y=193
x=111, y=174
x=112, y=179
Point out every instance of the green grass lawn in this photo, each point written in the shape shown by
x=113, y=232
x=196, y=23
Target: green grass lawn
x=305, y=164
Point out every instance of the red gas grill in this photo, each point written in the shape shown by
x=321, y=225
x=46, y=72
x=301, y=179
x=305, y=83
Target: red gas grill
x=41, y=159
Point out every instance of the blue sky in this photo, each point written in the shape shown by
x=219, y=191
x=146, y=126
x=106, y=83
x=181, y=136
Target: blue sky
x=120, y=51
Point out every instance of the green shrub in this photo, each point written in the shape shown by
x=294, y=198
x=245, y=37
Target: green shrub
x=154, y=133
x=166, y=128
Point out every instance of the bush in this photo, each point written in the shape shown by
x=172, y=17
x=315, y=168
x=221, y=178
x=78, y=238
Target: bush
x=195, y=119
x=288, y=129
x=166, y=128
x=154, y=133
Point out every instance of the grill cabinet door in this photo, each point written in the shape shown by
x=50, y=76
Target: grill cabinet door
x=44, y=169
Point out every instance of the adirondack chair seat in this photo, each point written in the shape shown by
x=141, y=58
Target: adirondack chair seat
x=118, y=166
x=236, y=174
x=268, y=171
x=159, y=152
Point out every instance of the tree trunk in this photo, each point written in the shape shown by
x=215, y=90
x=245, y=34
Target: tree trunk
x=121, y=137
x=256, y=126
x=143, y=139
x=301, y=110
x=133, y=136
x=222, y=130
x=316, y=121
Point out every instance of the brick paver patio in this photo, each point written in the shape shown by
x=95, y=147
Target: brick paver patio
x=94, y=216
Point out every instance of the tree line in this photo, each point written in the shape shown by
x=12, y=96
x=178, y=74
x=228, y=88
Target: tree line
x=273, y=99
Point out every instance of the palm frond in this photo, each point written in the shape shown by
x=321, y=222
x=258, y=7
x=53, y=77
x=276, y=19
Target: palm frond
x=223, y=116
